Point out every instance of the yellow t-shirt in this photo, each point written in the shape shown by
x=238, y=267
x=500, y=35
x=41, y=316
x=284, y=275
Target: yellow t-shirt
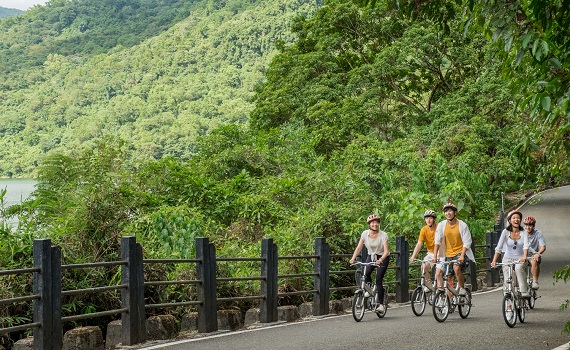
x=427, y=236
x=453, y=241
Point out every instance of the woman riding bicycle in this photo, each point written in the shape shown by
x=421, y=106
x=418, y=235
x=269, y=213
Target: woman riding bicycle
x=514, y=244
x=376, y=243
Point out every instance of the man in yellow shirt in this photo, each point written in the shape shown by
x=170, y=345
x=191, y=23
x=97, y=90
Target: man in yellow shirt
x=427, y=234
x=453, y=241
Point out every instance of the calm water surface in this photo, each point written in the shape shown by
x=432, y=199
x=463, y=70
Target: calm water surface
x=17, y=190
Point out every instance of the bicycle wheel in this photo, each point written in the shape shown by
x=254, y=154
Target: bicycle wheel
x=532, y=299
x=521, y=309
x=465, y=305
x=385, y=305
x=358, y=306
x=441, y=306
x=418, y=301
x=509, y=311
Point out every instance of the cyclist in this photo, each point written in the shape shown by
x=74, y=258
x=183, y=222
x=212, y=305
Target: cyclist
x=536, y=246
x=376, y=242
x=514, y=244
x=427, y=234
x=453, y=241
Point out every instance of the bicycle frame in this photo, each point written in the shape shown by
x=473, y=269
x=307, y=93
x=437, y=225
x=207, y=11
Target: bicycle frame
x=443, y=305
x=514, y=304
x=365, y=295
x=420, y=296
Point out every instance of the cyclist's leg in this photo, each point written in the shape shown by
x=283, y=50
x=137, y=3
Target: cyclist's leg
x=439, y=275
x=458, y=269
x=380, y=272
x=427, y=270
x=535, y=268
x=368, y=270
x=521, y=278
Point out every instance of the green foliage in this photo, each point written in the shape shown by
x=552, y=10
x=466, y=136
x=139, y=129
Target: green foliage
x=185, y=69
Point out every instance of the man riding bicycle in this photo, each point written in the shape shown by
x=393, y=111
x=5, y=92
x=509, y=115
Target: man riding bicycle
x=427, y=234
x=453, y=241
x=536, y=247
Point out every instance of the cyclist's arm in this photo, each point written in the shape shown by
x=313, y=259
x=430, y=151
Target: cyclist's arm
x=357, y=250
x=525, y=254
x=435, y=252
x=385, y=254
x=416, y=250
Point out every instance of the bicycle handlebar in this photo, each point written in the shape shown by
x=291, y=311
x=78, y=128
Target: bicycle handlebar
x=372, y=263
x=448, y=262
x=507, y=264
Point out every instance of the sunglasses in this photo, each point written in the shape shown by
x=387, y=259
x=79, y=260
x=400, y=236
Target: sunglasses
x=515, y=244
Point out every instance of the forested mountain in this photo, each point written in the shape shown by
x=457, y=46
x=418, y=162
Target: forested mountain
x=6, y=12
x=156, y=74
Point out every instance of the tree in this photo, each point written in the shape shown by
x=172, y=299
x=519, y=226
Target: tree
x=531, y=37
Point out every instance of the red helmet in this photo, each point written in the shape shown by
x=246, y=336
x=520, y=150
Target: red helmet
x=372, y=218
x=513, y=212
x=449, y=205
x=529, y=220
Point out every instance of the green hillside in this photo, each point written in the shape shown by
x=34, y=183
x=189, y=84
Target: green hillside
x=6, y=12
x=156, y=76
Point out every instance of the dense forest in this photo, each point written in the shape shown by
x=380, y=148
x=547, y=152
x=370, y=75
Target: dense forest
x=157, y=74
x=290, y=120
x=6, y=12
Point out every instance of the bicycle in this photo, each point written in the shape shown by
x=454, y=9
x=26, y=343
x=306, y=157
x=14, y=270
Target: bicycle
x=531, y=291
x=514, y=304
x=365, y=295
x=422, y=294
x=443, y=305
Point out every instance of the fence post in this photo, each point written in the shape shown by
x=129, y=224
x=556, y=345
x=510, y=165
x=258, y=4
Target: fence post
x=489, y=252
x=269, y=270
x=322, y=277
x=472, y=270
x=206, y=271
x=56, y=275
x=402, y=270
x=47, y=284
x=133, y=321
x=495, y=235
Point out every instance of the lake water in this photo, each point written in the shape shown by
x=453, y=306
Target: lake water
x=16, y=191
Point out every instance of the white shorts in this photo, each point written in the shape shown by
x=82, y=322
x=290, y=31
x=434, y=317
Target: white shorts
x=429, y=259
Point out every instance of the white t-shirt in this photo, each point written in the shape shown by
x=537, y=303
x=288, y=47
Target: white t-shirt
x=375, y=246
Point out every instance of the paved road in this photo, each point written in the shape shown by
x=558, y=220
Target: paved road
x=400, y=329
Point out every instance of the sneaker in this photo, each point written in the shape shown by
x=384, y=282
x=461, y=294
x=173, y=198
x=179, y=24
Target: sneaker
x=380, y=309
x=462, y=292
x=534, y=284
x=366, y=295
